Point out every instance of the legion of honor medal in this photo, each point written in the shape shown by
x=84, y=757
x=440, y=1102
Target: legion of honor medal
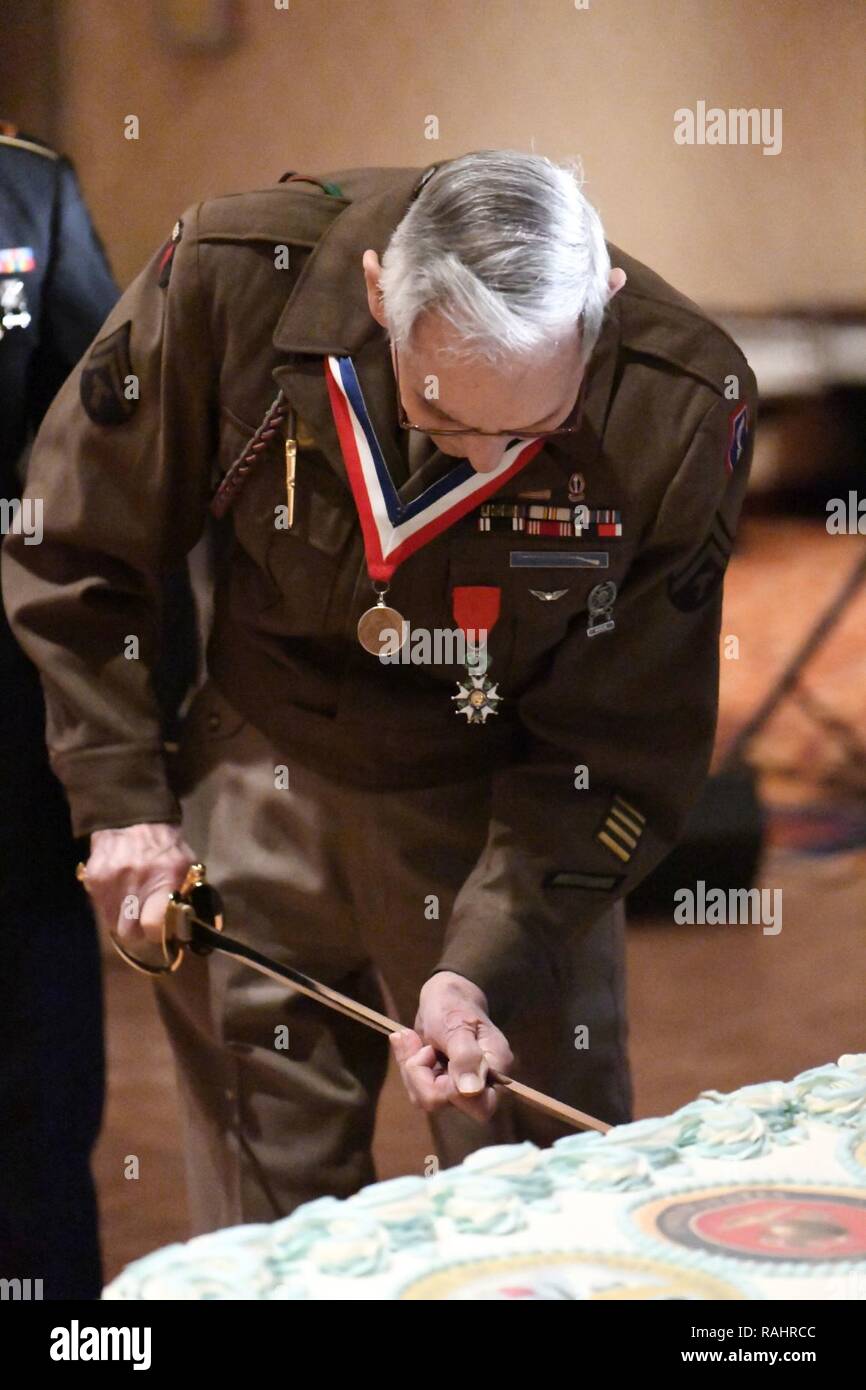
x=392, y=529
x=476, y=611
x=477, y=697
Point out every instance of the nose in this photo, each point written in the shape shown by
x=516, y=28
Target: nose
x=485, y=452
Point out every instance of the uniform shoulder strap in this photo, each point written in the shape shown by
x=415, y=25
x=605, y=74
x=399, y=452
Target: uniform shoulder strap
x=332, y=189
x=10, y=135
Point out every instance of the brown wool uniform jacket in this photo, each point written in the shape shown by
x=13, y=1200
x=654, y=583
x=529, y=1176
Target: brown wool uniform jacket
x=211, y=328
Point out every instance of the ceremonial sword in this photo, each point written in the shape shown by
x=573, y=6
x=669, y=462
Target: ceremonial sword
x=194, y=921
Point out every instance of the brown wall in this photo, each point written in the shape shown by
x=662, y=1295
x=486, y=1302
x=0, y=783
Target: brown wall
x=333, y=83
x=29, y=67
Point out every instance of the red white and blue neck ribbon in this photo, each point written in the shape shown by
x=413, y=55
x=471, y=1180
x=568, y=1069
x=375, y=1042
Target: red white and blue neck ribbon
x=392, y=529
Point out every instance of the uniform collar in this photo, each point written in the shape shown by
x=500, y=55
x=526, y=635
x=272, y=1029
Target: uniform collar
x=327, y=310
x=327, y=313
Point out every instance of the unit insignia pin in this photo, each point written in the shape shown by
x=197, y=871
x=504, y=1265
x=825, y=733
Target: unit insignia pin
x=576, y=487
x=600, y=603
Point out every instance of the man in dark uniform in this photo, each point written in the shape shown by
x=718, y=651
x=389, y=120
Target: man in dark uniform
x=55, y=290
x=503, y=430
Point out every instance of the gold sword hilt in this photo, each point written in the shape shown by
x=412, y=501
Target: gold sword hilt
x=196, y=898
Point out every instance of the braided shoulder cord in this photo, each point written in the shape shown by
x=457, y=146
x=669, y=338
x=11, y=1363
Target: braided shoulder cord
x=236, y=476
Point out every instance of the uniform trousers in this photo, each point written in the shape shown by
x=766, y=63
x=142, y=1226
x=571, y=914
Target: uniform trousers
x=354, y=887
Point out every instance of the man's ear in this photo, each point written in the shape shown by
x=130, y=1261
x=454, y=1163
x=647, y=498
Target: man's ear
x=372, y=274
x=616, y=280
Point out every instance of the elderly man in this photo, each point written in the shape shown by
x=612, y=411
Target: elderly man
x=489, y=432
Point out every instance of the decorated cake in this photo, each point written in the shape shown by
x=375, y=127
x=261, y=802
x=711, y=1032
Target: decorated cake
x=756, y=1194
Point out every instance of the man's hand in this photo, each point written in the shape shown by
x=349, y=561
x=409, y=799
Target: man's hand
x=452, y=1022
x=130, y=875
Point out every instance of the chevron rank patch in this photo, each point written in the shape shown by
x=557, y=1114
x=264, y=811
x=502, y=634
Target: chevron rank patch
x=695, y=584
x=104, y=378
x=621, y=829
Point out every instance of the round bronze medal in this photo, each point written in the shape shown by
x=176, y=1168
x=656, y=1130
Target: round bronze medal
x=375, y=623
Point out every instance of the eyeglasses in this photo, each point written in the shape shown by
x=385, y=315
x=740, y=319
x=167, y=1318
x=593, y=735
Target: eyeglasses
x=570, y=425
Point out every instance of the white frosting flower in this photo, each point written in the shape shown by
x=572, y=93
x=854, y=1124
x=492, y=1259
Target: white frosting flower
x=616, y=1168
x=728, y=1130
x=686, y=1121
x=593, y=1161
x=574, y=1145
x=235, y=1273
x=290, y=1239
x=519, y=1164
x=402, y=1205
x=834, y=1094
x=853, y=1061
x=477, y=1204
x=656, y=1138
x=774, y=1101
x=352, y=1247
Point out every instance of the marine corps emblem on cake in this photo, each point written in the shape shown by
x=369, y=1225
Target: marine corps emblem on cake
x=567, y=1275
x=852, y=1154
x=777, y=1223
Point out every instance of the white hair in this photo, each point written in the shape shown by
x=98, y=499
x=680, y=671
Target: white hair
x=505, y=247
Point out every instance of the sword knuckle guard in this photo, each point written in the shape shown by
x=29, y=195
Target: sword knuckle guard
x=177, y=924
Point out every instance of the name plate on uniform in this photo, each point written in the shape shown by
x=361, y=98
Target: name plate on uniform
x=559, y=559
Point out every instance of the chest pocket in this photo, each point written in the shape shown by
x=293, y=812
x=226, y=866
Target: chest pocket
x=303, y=569
x=545, y=593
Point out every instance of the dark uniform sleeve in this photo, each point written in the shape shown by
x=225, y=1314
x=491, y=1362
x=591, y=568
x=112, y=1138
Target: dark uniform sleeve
x=638, y=708
x=124, y=485
x=78, y=294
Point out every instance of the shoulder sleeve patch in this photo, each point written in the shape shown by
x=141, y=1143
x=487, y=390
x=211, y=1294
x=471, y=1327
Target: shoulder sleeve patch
x=738, y=435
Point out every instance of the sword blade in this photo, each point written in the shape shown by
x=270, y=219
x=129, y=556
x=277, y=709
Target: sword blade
x=194, y=932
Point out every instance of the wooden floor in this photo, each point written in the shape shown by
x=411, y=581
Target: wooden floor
x=710, y=1006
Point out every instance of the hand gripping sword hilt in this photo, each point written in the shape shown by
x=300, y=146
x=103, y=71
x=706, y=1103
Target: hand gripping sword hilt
x=196, y=901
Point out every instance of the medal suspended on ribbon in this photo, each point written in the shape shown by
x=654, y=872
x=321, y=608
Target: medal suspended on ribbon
x=392, y=529
x=476, y=612
x=382, y=626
